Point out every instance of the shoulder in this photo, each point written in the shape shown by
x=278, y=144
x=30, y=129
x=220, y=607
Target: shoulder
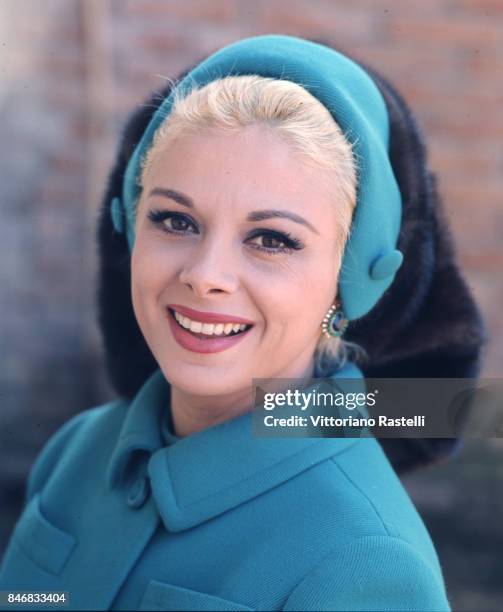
x=61, y=442
x=368, y=480
x=371, y=573
x=371, y=483
x=379, y=554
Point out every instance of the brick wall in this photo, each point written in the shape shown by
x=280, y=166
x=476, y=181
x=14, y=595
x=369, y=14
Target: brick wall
x=70, y=71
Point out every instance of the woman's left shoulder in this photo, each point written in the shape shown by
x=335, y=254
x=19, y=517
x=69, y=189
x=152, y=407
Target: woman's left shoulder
x=381, y=555
x=371, y=573
x=372, y=491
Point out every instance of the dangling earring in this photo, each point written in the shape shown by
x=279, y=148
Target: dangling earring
x=335, y=322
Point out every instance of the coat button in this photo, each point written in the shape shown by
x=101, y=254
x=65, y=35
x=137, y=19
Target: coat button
x=138, y=493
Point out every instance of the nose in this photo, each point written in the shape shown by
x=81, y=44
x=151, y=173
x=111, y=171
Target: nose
x=211, y=269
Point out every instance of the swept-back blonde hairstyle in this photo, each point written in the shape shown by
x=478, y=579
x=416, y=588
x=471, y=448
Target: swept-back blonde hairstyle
x=294, y=114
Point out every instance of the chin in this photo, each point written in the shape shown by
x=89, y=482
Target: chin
x=203, y=380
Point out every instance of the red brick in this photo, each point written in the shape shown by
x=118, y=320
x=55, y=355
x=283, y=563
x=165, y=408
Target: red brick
x=446, y=33
x=488, y=8
x=221, y=11
x=316, y=19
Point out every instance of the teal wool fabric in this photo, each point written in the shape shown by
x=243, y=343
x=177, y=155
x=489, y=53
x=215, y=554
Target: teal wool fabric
x=371, y=258
x=123, y=516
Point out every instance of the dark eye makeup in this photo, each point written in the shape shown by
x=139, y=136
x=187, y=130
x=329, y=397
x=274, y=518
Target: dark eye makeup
x=171, y=222
x=273, y=242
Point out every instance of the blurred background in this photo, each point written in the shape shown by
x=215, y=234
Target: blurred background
x=71, y=71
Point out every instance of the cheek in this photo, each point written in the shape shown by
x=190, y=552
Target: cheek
x=296, y=295
x=151, y=271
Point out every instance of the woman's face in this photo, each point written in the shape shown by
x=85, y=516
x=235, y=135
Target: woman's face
x=207, y=242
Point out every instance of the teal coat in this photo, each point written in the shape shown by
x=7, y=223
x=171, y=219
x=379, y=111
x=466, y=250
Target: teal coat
x=219, y=520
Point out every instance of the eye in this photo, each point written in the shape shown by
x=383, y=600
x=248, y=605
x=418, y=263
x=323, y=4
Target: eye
x=273, y=243
x=171, y=222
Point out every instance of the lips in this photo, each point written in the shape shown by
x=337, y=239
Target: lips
x=203, y=343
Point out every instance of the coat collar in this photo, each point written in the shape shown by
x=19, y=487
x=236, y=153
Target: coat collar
x=211, y=471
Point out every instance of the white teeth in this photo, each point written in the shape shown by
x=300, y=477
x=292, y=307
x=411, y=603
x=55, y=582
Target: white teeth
x=210, y=329
x=196, y=327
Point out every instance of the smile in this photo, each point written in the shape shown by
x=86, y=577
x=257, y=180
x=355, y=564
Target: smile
x=212, y=337
x=209, y=329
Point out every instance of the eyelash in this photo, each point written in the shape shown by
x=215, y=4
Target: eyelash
x=158, y=217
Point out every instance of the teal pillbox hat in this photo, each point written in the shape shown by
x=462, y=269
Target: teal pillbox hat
x=371, y=258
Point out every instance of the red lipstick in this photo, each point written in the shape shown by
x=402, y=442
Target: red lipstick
x=201, y=343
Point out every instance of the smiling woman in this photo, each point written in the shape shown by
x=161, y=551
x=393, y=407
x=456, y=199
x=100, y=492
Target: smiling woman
x=235, y=215
x=276, y=130
x=248, y=220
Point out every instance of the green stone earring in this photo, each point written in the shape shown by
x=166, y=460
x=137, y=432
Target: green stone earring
x=335, y=322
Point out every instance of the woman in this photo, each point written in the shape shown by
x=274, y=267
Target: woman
x=258, y=213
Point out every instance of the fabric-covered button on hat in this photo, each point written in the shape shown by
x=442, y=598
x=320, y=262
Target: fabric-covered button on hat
x=386, y=265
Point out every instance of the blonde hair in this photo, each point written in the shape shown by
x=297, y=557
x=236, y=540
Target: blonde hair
x=294, y=114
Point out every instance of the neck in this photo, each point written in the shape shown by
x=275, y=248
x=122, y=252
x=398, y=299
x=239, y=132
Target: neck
x=192, y=413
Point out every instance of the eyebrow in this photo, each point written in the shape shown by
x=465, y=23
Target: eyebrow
x=181, y=198
x=260, y=215
x=257, y=215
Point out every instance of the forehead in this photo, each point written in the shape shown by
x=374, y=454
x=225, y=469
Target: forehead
x=241, y=170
